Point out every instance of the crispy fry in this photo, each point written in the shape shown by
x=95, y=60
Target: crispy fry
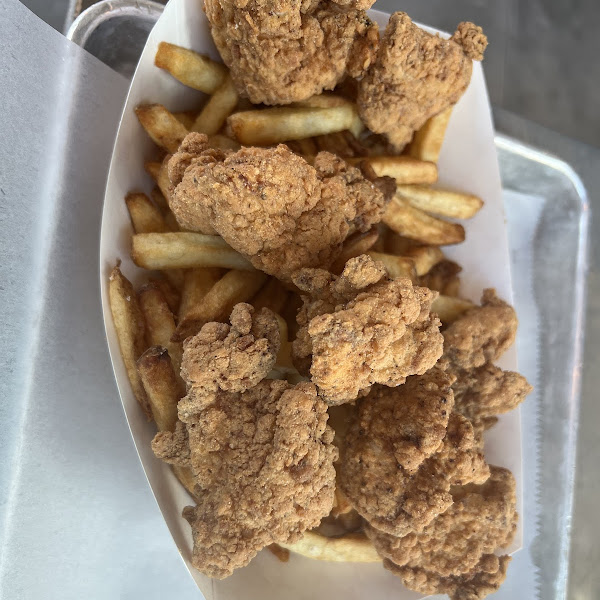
x=232, y=288
x=418, y=225
x=129, y=326
x=171, y=222
x=336, y=143
x=397, y=244
x=152, y=168
x=223, y=142
x=355, y=245
x=197, y=283
x=441, y=276
x=160, y=323
x=171, y=294
x=175, y=277
x=352, y=547
x=449, y=309
x=444, y=203
x=397, y=266
x=192, y=69
x=427, y=141
x=274, y=125
x=281, y=553
x=183, y=250
x=219, y=106
x=186, y=118
x=186, y=478
x=162, y=384
x=164, y=129
x=452, y=287
x=145, y=217
x=404, y=169
x=158, y=198
x=272, y=296
x=158, y=172
x=425, y=257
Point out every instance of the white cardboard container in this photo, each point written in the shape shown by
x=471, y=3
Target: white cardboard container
x=468, y=162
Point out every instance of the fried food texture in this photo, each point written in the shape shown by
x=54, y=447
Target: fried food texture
x=271, y=205
x=415, y=76
x=282, y=51
x=362, y=328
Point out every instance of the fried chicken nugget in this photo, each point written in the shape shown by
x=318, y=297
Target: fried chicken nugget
x=362, y=328
x=261, y=453
x=482, y=519
x=282, y=51
x=485, y=579
x=416, y=75
x=383, y=439
x=271, y=205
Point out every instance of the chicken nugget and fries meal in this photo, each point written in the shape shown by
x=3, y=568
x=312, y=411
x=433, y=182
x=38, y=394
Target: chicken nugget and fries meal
x=318, y=384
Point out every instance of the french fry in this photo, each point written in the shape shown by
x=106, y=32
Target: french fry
x=336, y=143
x=452, y=287
x=307, y=147
x=427, y=141
x=274, y=125
x=415, y=224
x=219, y=106
x=223, y=142
x=160, y=323
x=404, y=169
x=441, y=277
x=272, y=296
x=183, y=250
x=129, y=326
x=354, y=246
x=281, y=553
x=162, y=385
x=158, y=198
x=322, y=101
x=187, y=118
x=197, y=283
x=175, y=277
x=232, y=288
x=163, y=181
x=397, y=266
x=171, y=294
x=397, y=244
x=449, y=308
x=171, y=222
x=152, y=168
x=145, y=217
x=186, y=478
x=444, y=203
x=162, y=127
x=425, y=257
x=351, y=547
x=189, y=67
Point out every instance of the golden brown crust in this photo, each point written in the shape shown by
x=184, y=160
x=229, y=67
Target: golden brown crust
x=280, y=51
x=481, y=520
x=485, y=579
x=271, y=205
x=416, y=75
x=482, y=334
x=390, y=497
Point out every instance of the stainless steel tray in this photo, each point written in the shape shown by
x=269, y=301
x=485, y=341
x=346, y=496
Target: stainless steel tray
x=554, y=277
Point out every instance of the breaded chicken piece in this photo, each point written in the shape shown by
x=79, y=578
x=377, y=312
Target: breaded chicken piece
x=484, y=579
x=261, y=453
x=481, y=335
x=389, y=496
x=416, y=75
x=232, y=358
x=481, y=520
x=488, y=391
x=282, y=51
x=271, y=205
x=362, y=328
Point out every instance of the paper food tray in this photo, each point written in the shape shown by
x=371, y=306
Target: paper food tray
x=468, y=161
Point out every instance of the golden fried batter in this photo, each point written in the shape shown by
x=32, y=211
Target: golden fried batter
x=390, y=497
x=481, y=520
x=488, y=391
x=415, y=76
x=260, y=452
x=362, y=328
x=281, y=51
x=485, y=579
x=482, y=334
x=271, y=205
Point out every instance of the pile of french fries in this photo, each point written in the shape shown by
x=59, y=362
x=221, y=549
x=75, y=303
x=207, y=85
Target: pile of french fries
x=195, y=278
